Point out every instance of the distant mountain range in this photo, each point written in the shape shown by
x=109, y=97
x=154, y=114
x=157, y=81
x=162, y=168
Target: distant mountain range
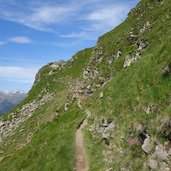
x=9, y=99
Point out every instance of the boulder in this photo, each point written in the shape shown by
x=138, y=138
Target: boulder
x=161, y=153
x=147, y=145
x=152, y=163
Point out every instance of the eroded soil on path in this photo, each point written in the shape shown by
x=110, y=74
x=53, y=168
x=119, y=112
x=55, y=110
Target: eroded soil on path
x=81, y=159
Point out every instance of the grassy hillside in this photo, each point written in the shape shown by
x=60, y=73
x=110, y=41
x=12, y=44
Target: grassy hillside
x=124, y=81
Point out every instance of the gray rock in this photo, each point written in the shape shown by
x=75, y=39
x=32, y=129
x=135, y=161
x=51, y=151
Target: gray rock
x=164, y=167
x=152, y=163
x=145, y=27
x=114, y=57
x=128, y=61
x=141, y=46
x=66, y=107
x=161, y=153
x=118, y=54
x=1, y=123
x=57, y=65
x=147, y=145
x=166, y=70
x=105, y=135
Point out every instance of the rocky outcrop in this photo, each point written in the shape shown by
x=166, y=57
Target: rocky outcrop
x=57, y=65
x=103, y=130
x=130, y=58
x=90, y=73
x=158, y=154
x=97, y=54
x=146, y=26
x=114, y=57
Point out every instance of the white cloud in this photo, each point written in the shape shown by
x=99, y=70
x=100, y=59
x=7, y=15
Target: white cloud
x=99, y=21
x=109, y=16
x=48, y=14
x=91, y=18
x=17, y=74
x=20, y=39
x=2, y=43
x=40, y=17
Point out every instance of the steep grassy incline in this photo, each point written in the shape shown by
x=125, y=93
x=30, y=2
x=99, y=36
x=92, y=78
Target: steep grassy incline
x=125, y=82
x=130, y=129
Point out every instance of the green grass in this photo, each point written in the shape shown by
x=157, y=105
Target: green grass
x=52, y=146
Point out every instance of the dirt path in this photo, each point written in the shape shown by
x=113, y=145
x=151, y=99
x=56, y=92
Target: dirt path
x=81, y=161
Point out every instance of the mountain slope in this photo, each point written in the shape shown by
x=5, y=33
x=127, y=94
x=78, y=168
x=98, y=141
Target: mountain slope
x=124, y=81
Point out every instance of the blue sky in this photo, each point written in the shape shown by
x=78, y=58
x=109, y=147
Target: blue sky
x=36, y=32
